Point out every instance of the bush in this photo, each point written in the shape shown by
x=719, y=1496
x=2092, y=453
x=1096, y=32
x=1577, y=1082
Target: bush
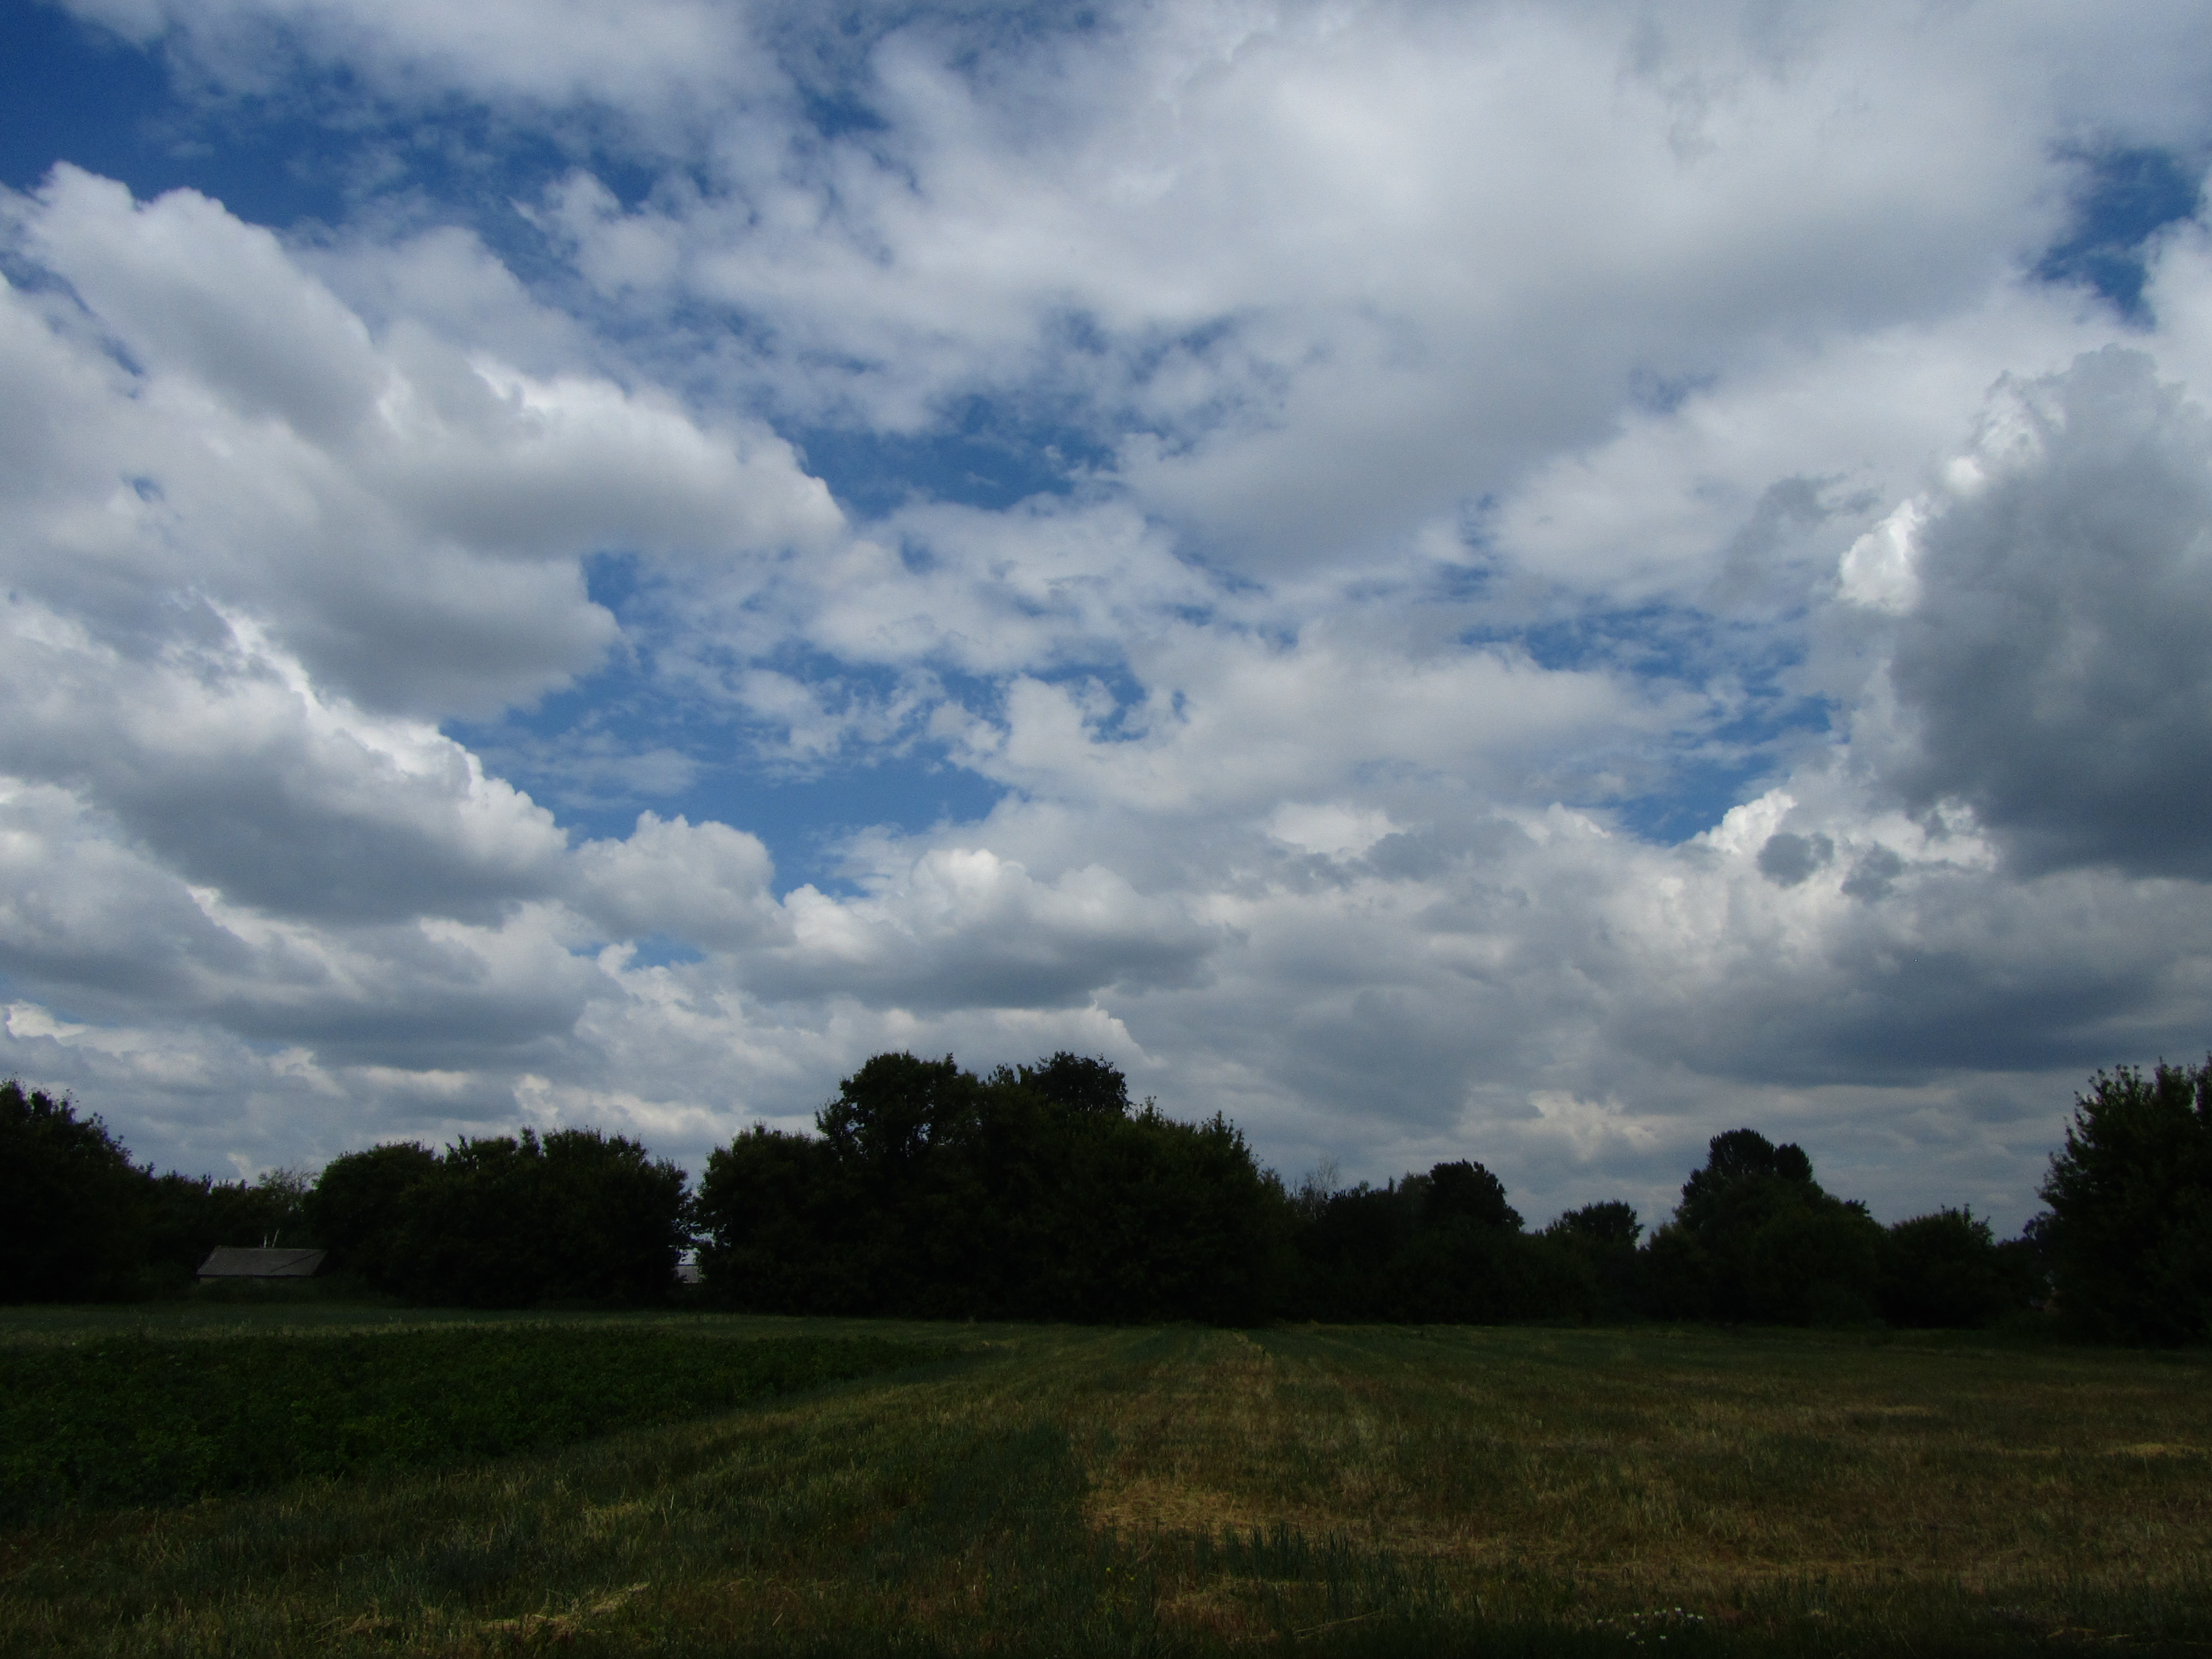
x=2131, y=1198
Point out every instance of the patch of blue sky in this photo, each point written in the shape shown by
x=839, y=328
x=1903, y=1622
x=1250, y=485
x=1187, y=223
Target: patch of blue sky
x=1699, y=780
x=807, y=823
x=1656, y=641
x=598, y=754
x=625, y=740
x=71, y=92
x=1669, y=793
x=2123, y=198
x=982, y=453
x=663, y=950
x=1656, y=393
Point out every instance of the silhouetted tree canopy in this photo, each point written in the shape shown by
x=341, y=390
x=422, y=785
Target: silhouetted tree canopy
x=1756, y=1239
x=2131, y=1198
x=1034, y=1192
x=1039, y=1192
x=355, y=1206
x=517, y=1222
x=1948, y=1269
x=72, y=1211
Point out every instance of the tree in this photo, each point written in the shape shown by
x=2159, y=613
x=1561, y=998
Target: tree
x=1755, y=1238
x=1078, y=1084
x=578, y=1216
x=72, y=1221
x=356, y=1205
x=1947, y=1270
x=1596, y=1245
x=187, y=1216
x=1444, y=1247
x=768, y=1212
x=2131, y=1198
x=1034, y=1192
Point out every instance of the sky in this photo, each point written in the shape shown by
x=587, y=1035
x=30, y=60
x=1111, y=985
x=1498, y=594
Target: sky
x=1529, y=582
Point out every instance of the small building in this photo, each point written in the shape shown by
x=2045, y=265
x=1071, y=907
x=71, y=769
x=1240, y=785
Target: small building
x=234, y=1261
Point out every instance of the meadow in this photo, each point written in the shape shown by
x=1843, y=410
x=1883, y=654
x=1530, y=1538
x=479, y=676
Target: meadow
x=976, y=1488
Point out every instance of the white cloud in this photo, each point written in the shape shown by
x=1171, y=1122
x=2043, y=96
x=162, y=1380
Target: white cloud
x=1479, y=422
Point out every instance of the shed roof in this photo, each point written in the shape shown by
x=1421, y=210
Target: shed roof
x=232, y=1262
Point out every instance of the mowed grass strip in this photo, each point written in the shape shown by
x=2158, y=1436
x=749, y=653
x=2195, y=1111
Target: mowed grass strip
x=1647, y=1469
x=132, y=1420
x=1189, y=1492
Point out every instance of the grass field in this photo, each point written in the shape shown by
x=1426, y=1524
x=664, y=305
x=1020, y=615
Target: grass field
x=1310, y=1490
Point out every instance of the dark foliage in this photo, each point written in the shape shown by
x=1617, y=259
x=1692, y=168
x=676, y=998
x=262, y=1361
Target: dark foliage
x=1038, y=1192
x=72, y=1215
x=137, y=1421
x=1035, y=1193
x=576, y=1218
x=2131, y=1198
x=1948, y=1270
x=1596, y=1250
x=354, y=1209
x=188, y=1216
x=1755, y=1239
x=1440, y=1248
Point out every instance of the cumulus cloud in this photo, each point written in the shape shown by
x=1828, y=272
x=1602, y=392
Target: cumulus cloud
x=1465, y=441
x=2052, y=667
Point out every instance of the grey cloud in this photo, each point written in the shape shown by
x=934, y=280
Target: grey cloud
x=236, y=779
x=1787, y=859
x=2054, y=669
x=961, y=927
x=1873, y=875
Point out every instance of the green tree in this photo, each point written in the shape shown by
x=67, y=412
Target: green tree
x=2131, y=1198
x=187, y=1216
x=577, y=1217
x=1444, y=1247
x=355, y=1207
x=72, y=1206
x=1947, y=1270
x=1034, y=1192
x=1755, y=1238
x=769, y=1213
x=1596, y=1247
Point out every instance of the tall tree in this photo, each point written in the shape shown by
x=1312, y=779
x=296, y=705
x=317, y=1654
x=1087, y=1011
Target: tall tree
x=1755, y=1238
x=576, y=1217
x=72, y=1206
x=2131, y=1198
x=355, y=1207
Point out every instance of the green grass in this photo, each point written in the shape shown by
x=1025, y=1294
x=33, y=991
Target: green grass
x=1318, y=1491
x=117, y=1419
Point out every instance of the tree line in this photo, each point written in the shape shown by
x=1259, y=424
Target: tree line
x=1042, y=1192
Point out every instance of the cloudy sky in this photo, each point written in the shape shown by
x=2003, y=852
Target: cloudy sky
x=1531, y=582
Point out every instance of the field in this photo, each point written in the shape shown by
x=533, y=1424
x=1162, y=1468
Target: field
x=1053, y=1489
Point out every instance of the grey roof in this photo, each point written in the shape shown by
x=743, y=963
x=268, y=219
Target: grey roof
x=232, y=1262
